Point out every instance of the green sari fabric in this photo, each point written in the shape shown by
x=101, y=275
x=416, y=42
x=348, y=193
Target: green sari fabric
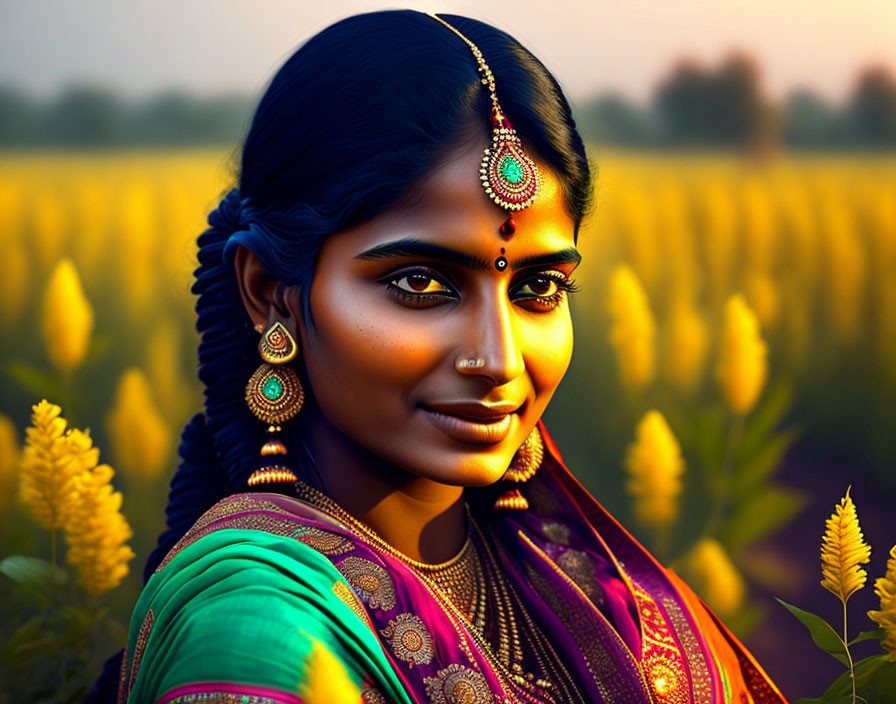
x=215, y=599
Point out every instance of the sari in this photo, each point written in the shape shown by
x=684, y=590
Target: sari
x=233, y=611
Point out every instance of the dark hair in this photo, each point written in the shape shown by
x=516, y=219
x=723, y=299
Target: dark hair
x=347, y=126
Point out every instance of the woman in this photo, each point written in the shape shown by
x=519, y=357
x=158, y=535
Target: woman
x=381, y=500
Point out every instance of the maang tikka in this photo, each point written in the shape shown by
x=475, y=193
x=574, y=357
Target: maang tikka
x=509, y=177
x=522, y=468
x=275, y=395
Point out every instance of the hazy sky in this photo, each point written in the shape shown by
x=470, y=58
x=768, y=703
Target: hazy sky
x=140, y=46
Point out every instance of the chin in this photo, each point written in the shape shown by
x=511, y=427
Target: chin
x=470, y=469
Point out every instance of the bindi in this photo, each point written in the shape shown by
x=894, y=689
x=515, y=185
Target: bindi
x=501, y=262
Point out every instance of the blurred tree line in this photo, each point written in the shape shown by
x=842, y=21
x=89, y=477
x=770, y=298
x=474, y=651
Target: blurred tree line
x=693, y=106
x=723, y=106
x=94, y=116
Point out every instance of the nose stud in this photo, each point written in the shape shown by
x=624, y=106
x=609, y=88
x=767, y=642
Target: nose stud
x=469, y=363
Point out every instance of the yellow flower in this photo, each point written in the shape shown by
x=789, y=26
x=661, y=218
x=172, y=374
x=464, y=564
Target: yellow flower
x=714, y=577
x=49, y=224
x=760, y=226
x=633, y=330
x=763, y=296
x=655, y=466
x=164, y=371
x=842, y=551
x=684, y=348
x=719, y=237
x=96, y=531
x=326, y=679
x=885, y=588
x=67, y=318
x=846, y=270
x=139, y=228
x=47, y=482
x=637, y=222
x=742, y=365
x=14, y=266
x=10, y=456
x=141, y=440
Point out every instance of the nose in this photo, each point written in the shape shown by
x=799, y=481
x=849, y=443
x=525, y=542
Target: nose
x=491, y=349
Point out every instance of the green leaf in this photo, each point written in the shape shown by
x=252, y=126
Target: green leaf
x=866, y=671
x=767, y=415
x=34, y=574
x=822, y=634
x=877, y=634
x=762, y=514
x=752, y=472
x=36, y=381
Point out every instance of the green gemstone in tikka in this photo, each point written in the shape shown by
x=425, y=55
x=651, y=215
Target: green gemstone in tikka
x=511, y=170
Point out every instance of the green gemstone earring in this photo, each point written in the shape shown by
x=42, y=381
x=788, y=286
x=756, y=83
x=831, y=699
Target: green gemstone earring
x=275, y=395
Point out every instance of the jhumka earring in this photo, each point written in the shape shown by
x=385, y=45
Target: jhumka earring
x=509, y=177
x=274, y=394
x=525, y=464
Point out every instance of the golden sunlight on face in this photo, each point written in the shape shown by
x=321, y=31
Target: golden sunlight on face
x=399, y=300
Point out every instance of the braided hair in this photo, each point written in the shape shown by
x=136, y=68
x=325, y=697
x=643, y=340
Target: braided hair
x=346, y=127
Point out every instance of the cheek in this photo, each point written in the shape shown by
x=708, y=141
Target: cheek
x=549, y=346
x=364, y=358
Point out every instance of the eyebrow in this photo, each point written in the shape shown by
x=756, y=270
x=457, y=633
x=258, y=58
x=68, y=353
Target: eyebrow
x=415, y=248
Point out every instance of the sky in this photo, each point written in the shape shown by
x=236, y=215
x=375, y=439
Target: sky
x=139, y=47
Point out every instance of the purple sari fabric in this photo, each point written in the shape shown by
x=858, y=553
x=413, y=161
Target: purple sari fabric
x=624, y=632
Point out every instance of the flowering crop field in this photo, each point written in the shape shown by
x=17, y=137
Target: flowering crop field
x=727, y=309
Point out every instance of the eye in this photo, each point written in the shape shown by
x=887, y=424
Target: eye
x=543, y=291
x=540, y=286
x=419, y=282
x=418, y=288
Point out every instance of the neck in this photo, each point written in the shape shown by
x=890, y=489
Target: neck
x=419, y=517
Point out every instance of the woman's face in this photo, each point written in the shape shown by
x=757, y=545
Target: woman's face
x=398, y=301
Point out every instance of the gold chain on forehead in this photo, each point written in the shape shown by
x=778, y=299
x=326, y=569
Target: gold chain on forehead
x=509, y=177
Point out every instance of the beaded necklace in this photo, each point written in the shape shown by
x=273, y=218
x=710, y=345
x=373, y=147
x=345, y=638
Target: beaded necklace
x=473, y=583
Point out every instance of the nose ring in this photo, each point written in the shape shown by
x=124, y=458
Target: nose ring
x=469, y=363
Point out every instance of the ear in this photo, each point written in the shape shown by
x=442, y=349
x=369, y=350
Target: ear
x=265, y=298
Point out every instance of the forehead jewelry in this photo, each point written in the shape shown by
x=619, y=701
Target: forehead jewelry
x=509, y=177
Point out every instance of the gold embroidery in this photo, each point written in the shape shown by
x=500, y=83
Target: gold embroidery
x=457, y=685
x=215, y=697
x=123, y=678
x=661, y=659
x=372, y=583
x=556, y=532
x=580, y=569
x=350, y=599
x=701, y=677
x=140, y=645
x=234, y=512
x=410, y=639
x=371, y=695
x=323, y=540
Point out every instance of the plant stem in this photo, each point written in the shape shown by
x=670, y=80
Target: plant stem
x=723, y=486
x=53, y=546
x=852, y=671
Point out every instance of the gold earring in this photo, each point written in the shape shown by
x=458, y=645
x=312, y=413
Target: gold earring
x=274, y=394
x=522, y=468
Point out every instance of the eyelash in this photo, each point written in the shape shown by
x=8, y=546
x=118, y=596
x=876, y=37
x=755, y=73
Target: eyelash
x=565, y=286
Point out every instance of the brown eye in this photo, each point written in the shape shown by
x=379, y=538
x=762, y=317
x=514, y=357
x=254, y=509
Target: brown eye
x=542, y=286
x=419, y=283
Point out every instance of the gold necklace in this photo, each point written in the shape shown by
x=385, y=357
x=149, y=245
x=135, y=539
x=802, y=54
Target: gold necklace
x=474, y=559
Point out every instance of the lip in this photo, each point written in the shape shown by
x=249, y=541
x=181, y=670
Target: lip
x=474, y=423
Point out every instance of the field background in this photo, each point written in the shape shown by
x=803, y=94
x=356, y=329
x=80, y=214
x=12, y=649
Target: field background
x=745, y=200
x=810, y=241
